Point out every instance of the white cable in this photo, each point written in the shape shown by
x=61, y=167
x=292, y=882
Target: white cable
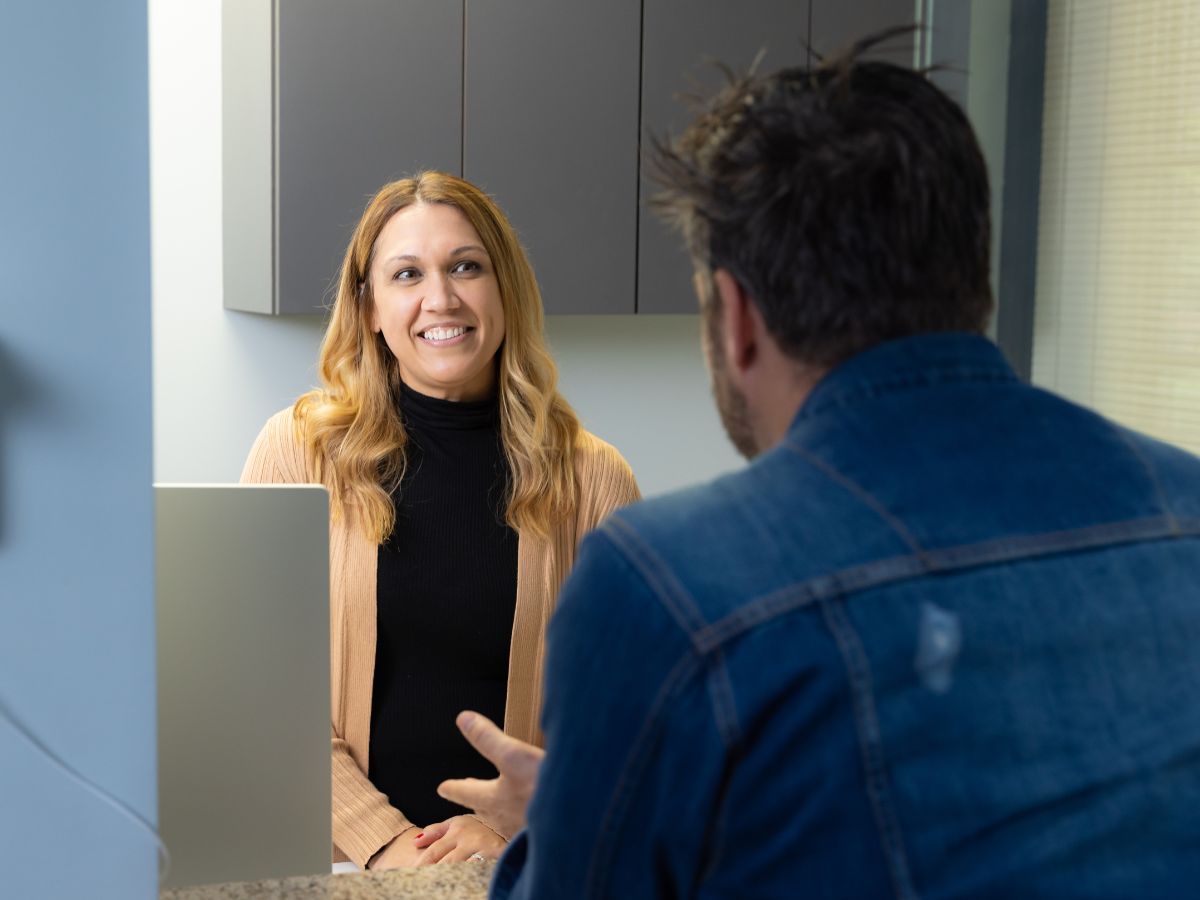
x=115, y=802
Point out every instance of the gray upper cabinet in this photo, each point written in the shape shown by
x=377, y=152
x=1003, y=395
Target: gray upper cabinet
x=550, y=130
x=325, y=102
x=544, y=104
x=679, y=35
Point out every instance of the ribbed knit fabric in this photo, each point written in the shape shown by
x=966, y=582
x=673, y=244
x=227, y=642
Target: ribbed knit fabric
x=446, y=592
x=363, y=820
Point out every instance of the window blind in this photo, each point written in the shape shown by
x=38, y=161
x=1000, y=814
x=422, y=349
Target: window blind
x=1117, y=322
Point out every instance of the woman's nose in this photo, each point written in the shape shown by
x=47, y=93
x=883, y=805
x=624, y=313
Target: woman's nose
x=440, y=294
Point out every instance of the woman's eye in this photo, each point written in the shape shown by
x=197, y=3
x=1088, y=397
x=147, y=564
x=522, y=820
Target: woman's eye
x=466, y=265
x=406, y=275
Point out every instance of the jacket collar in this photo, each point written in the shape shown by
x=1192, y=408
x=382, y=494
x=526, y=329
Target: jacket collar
x=906, y=364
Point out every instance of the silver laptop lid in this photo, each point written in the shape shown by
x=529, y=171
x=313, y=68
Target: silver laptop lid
x=243, y=681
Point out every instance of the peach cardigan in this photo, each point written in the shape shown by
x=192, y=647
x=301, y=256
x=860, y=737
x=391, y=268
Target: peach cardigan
x=363, y=821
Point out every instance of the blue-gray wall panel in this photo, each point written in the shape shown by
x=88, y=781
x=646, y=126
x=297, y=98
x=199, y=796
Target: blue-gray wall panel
x=76, y=507
x=1022, y=185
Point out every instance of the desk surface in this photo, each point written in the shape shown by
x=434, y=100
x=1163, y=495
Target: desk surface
x=452, y=881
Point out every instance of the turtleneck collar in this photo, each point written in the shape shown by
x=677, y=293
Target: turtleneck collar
x=448, y=415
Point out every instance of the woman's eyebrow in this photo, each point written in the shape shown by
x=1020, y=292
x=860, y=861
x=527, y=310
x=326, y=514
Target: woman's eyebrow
x=455, y=252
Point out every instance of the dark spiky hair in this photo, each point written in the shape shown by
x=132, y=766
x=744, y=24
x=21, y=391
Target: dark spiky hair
x=850, y=201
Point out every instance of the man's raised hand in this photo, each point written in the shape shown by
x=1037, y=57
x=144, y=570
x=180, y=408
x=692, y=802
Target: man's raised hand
x=500, y=802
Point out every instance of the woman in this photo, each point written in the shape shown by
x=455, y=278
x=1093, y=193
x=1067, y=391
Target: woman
x=460, y=486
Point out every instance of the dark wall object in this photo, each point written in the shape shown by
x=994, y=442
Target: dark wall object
x=1022, y=185
x=678, y=37
x=550, y=131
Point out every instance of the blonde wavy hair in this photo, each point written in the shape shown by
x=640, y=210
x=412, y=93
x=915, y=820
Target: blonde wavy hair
x=351, y=428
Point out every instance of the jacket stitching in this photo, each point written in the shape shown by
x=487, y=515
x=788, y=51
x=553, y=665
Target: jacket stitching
x=882, y=387
x=661, y=580
x=724, y=703
x=1159, y=494
x=858, y=670
x=946, y=560
x=858, y=491
x=636, y=763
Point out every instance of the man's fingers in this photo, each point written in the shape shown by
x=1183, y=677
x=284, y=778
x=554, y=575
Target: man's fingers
x=483, y=735
x=469, y=792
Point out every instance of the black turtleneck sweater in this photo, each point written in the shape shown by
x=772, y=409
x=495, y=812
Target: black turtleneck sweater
x=447, y=591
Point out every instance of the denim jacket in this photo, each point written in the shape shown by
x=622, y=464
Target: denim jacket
x=942, y=642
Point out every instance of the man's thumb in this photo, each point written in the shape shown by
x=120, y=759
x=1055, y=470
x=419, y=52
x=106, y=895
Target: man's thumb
x=482, y=733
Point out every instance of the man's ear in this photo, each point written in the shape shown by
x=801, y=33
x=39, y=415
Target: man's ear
x=741, y=319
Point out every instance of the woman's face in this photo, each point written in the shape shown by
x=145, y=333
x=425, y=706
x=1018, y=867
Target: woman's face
x=437, y=302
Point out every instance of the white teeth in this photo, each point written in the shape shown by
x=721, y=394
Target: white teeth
x=443, y=334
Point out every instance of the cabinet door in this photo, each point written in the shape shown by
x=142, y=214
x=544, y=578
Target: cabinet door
x=367, y=91
x=550, y=131
x=837, y=23
x=678, y=36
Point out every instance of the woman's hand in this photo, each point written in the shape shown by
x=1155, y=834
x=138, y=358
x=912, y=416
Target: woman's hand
x=456, y=840
x=399, y=852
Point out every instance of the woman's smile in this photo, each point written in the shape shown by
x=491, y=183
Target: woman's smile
x=446, y=335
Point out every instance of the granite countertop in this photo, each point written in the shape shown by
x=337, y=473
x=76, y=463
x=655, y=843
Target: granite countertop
x=452, y=881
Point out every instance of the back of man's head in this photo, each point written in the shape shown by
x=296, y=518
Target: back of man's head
x=850, y=201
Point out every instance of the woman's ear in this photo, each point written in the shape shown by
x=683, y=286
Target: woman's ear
x=374, y=317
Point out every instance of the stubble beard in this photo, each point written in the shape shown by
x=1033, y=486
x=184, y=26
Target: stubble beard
x=731, y=402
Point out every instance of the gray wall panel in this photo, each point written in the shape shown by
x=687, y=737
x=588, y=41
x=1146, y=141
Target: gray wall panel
x=679, y=35
x=551, y=126
x=367, y=91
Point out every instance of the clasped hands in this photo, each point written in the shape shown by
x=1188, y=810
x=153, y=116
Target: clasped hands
x=498, y=805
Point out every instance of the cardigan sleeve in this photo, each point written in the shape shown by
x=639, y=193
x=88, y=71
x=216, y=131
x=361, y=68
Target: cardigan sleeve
x=606, y=483
x=277, y=456
x=363, y=820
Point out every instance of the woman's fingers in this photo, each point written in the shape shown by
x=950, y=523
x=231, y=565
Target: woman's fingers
x=442, y=838
x=435, y=851
x=432, y=833
x=460, y=853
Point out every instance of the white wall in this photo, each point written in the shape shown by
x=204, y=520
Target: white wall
x=218, y=375
x=637, y=382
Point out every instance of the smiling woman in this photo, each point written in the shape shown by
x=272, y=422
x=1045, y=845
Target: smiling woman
x=460, y=487
x=437, y=302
